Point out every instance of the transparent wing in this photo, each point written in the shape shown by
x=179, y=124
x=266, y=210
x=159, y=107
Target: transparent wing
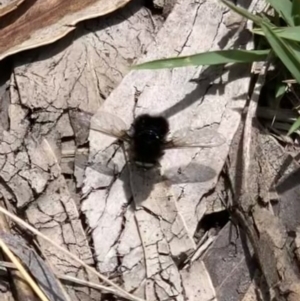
x=105, y=123
x=80, y=123
x=192, y=173
x=109, y=124
x=187, y=137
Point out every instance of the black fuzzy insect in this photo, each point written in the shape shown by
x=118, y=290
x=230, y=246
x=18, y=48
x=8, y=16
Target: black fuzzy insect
x=148, y=139
x=148, y=135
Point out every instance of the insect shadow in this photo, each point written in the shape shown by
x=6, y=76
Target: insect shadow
x=146, y=142
x=138, y=183
x=142, y=183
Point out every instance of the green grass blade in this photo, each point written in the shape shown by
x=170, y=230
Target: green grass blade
x=295, y=48
x=296, y=12
x=207, y=58
x=243, y=12
x=289, y=33
x=280, y=91
x=284, y=9
x=294, y=127
x=285, y=50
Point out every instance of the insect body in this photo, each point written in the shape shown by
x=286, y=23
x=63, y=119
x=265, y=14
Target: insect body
x=148, y=137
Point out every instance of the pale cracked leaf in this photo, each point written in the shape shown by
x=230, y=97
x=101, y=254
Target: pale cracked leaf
x=197, y=283
x=148, y=260
x=32, y=181
x=79, y=71
x=133, y=263
x=166, y=217
x=54, y=214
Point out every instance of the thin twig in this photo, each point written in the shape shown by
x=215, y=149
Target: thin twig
x=9, y=265
x=92, y=270
x=22, y=271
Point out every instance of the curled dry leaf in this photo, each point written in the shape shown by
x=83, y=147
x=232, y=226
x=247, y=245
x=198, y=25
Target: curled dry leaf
x=36, y=23
x=142, y=226
x=11, y=6
x=36, y=266
x=41, y=94
x=141, y=229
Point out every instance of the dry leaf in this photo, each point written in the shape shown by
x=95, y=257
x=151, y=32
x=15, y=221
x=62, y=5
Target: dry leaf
x=35, y=23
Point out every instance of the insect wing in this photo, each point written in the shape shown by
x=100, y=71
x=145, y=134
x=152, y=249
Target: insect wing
x=108, y=124
x=80, y=122
x=187, y=137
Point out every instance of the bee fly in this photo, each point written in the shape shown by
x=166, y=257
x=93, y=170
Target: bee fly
x=148, y=139
x=148, y=136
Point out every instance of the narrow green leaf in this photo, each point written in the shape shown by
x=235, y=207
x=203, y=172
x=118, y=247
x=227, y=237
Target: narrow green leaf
x=207, y=58
x=294, y=48
x=296, y=12
x=284, y=9
x=284, y=49
x=289, y=33
x=280, y=91
x=294, y=127
x=243, y=12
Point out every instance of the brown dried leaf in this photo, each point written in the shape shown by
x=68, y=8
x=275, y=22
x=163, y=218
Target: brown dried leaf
x=81, y=73
x=36, y=266
x=5, y=9
x=36, y=23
